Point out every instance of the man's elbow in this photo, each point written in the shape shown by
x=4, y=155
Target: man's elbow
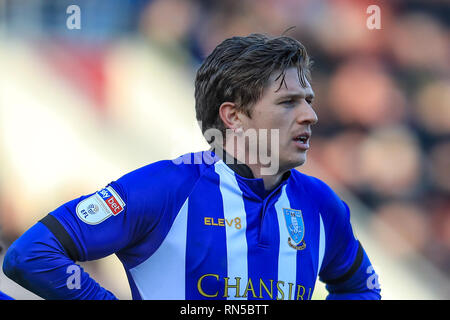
x=13, y=264
x=361, y=286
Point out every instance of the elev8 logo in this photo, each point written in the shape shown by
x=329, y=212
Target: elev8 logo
x=221, y=222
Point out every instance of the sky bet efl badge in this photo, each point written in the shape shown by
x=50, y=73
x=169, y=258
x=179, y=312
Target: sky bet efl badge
x=296, y=228
x=100, y=206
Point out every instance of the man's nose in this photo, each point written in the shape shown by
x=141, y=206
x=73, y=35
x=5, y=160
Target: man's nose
x=306, y=114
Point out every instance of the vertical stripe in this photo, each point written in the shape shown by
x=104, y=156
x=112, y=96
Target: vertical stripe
x=262, y=243
x=162, y=275
x=307, y=258
x=287, y=257
x=321, y=244
x=235, y=226
x=206, y=257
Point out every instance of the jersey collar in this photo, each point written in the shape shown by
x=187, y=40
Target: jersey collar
x=245, y=173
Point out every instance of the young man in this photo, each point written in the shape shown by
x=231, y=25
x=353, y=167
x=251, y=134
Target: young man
x=235, y=222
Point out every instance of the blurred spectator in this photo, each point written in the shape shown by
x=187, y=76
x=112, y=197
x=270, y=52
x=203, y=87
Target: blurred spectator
x=339, y=27
x=440, y=166
x=340, y=155
x=168, y=22
x=418, y=41
x=361, y=92
x=410, y=223
x=391, y=161
x=441, y=223
x=432, y=110
x=438, y=246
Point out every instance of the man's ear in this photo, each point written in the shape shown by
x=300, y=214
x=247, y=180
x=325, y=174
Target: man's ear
x=230, y=115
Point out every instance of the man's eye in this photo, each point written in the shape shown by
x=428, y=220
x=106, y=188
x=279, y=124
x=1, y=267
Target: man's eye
x=290, y=101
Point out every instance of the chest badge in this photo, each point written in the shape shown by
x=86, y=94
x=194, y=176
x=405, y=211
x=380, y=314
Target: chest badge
x=296, y=228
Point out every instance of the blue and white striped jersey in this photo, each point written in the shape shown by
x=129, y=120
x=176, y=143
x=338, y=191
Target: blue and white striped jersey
x=194, y=228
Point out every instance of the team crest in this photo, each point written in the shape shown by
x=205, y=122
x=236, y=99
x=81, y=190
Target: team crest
x=296, y=228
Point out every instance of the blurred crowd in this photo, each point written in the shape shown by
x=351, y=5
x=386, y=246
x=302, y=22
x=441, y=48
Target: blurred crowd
x=382, y=95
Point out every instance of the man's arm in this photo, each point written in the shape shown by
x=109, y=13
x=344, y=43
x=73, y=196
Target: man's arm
x=43, y=259
x=346, y=269
x=360, y=282
x=38, y=262
x=113, y=220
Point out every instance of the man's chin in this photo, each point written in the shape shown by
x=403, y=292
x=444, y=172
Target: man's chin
x=300, y=163
x=294, y=163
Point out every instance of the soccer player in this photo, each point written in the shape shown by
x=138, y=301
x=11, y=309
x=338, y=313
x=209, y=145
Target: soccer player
x=234, y=222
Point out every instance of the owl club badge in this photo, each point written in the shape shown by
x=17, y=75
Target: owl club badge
x=296, y=228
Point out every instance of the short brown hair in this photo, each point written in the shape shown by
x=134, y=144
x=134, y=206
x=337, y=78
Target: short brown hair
x=238, y=70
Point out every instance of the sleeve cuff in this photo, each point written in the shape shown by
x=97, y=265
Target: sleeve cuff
x=355, y=266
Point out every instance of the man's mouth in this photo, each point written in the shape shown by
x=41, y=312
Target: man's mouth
x=302, y=140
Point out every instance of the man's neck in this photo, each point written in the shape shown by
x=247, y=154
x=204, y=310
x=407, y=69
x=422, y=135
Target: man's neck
x=270, y=181
x=247, y=170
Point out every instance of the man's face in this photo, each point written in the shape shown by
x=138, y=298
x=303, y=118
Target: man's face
x=288, y=110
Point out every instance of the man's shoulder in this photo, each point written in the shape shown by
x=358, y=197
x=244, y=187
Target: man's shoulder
x=311, y=183
x=180, y=170
x=318, y=190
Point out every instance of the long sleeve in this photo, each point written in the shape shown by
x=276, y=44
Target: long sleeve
x=39, y=263
x=360, y=282
x=113, y=220
x=346, y=269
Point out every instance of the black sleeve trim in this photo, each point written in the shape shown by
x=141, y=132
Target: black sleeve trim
x=61, y=234
x=355, y=266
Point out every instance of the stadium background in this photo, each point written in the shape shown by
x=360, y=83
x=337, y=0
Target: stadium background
x=80, y=108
